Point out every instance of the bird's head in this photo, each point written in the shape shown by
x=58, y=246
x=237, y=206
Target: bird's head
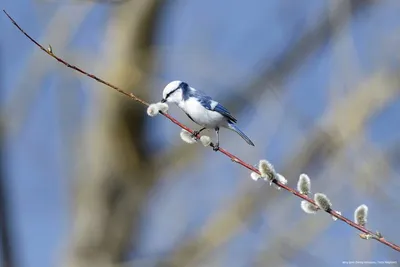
x=173, y=92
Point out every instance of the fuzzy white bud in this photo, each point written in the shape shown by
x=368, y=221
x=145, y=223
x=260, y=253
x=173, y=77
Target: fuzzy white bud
x=361, y=214
x=267, y=170
x=309, y=208
x=187, y=137
x=205, y=140
x=152, y=110
x=163, y=107
x=322, y=201
x=304, y=184
x=255, y=176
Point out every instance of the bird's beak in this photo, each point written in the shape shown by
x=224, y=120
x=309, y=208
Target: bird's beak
x=163, y=100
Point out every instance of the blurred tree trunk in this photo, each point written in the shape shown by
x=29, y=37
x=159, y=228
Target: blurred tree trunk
x=6, y=233
x=7, y=248
x=115, y=172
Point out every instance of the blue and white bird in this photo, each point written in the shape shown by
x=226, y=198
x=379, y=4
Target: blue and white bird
x=201, y=109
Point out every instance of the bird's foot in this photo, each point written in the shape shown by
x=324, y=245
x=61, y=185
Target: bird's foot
x=216, y=147
x=195, y=134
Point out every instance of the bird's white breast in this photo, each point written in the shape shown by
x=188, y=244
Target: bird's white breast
x=201, y=115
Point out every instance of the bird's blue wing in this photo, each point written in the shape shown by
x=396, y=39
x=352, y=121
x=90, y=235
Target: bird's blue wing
x=207, y=102
x=221, y=109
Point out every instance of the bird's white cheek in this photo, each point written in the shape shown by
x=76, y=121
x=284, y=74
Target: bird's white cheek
x=170, y=100
x=175, y=98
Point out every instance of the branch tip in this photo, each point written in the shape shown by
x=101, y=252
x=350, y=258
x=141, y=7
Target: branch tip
x=264, y=170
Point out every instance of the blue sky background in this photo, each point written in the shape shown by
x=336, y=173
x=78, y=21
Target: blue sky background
x=219, y=50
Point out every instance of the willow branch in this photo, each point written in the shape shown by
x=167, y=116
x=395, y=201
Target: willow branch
x=233, y=158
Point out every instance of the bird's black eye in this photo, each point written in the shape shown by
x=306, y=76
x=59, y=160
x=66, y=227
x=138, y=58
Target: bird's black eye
x=170, y=93
x=184, y=86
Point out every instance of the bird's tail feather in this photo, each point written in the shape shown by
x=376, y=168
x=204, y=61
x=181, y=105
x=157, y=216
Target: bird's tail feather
x=238, y=131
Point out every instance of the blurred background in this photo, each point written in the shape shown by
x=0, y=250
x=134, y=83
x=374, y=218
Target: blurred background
x=88, y=179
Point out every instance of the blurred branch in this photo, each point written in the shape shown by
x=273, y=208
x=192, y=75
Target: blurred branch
x=115, y=181
x=275, y=73
x=309, y=43
x=223, y=151
x=342, y=122
x=366, y=100
x=23, y=95
x=381, y=164
x=181, y=126
x=116, y=175
x=299, y=239
x=216, y=231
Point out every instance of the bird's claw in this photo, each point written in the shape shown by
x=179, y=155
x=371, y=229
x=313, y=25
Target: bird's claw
x=216, y=147
x=195, y=134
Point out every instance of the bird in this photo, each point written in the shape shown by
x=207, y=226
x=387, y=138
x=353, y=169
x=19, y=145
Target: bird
x=201, y=109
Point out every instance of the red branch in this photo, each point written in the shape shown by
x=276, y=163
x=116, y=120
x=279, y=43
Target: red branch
x=333, y=213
